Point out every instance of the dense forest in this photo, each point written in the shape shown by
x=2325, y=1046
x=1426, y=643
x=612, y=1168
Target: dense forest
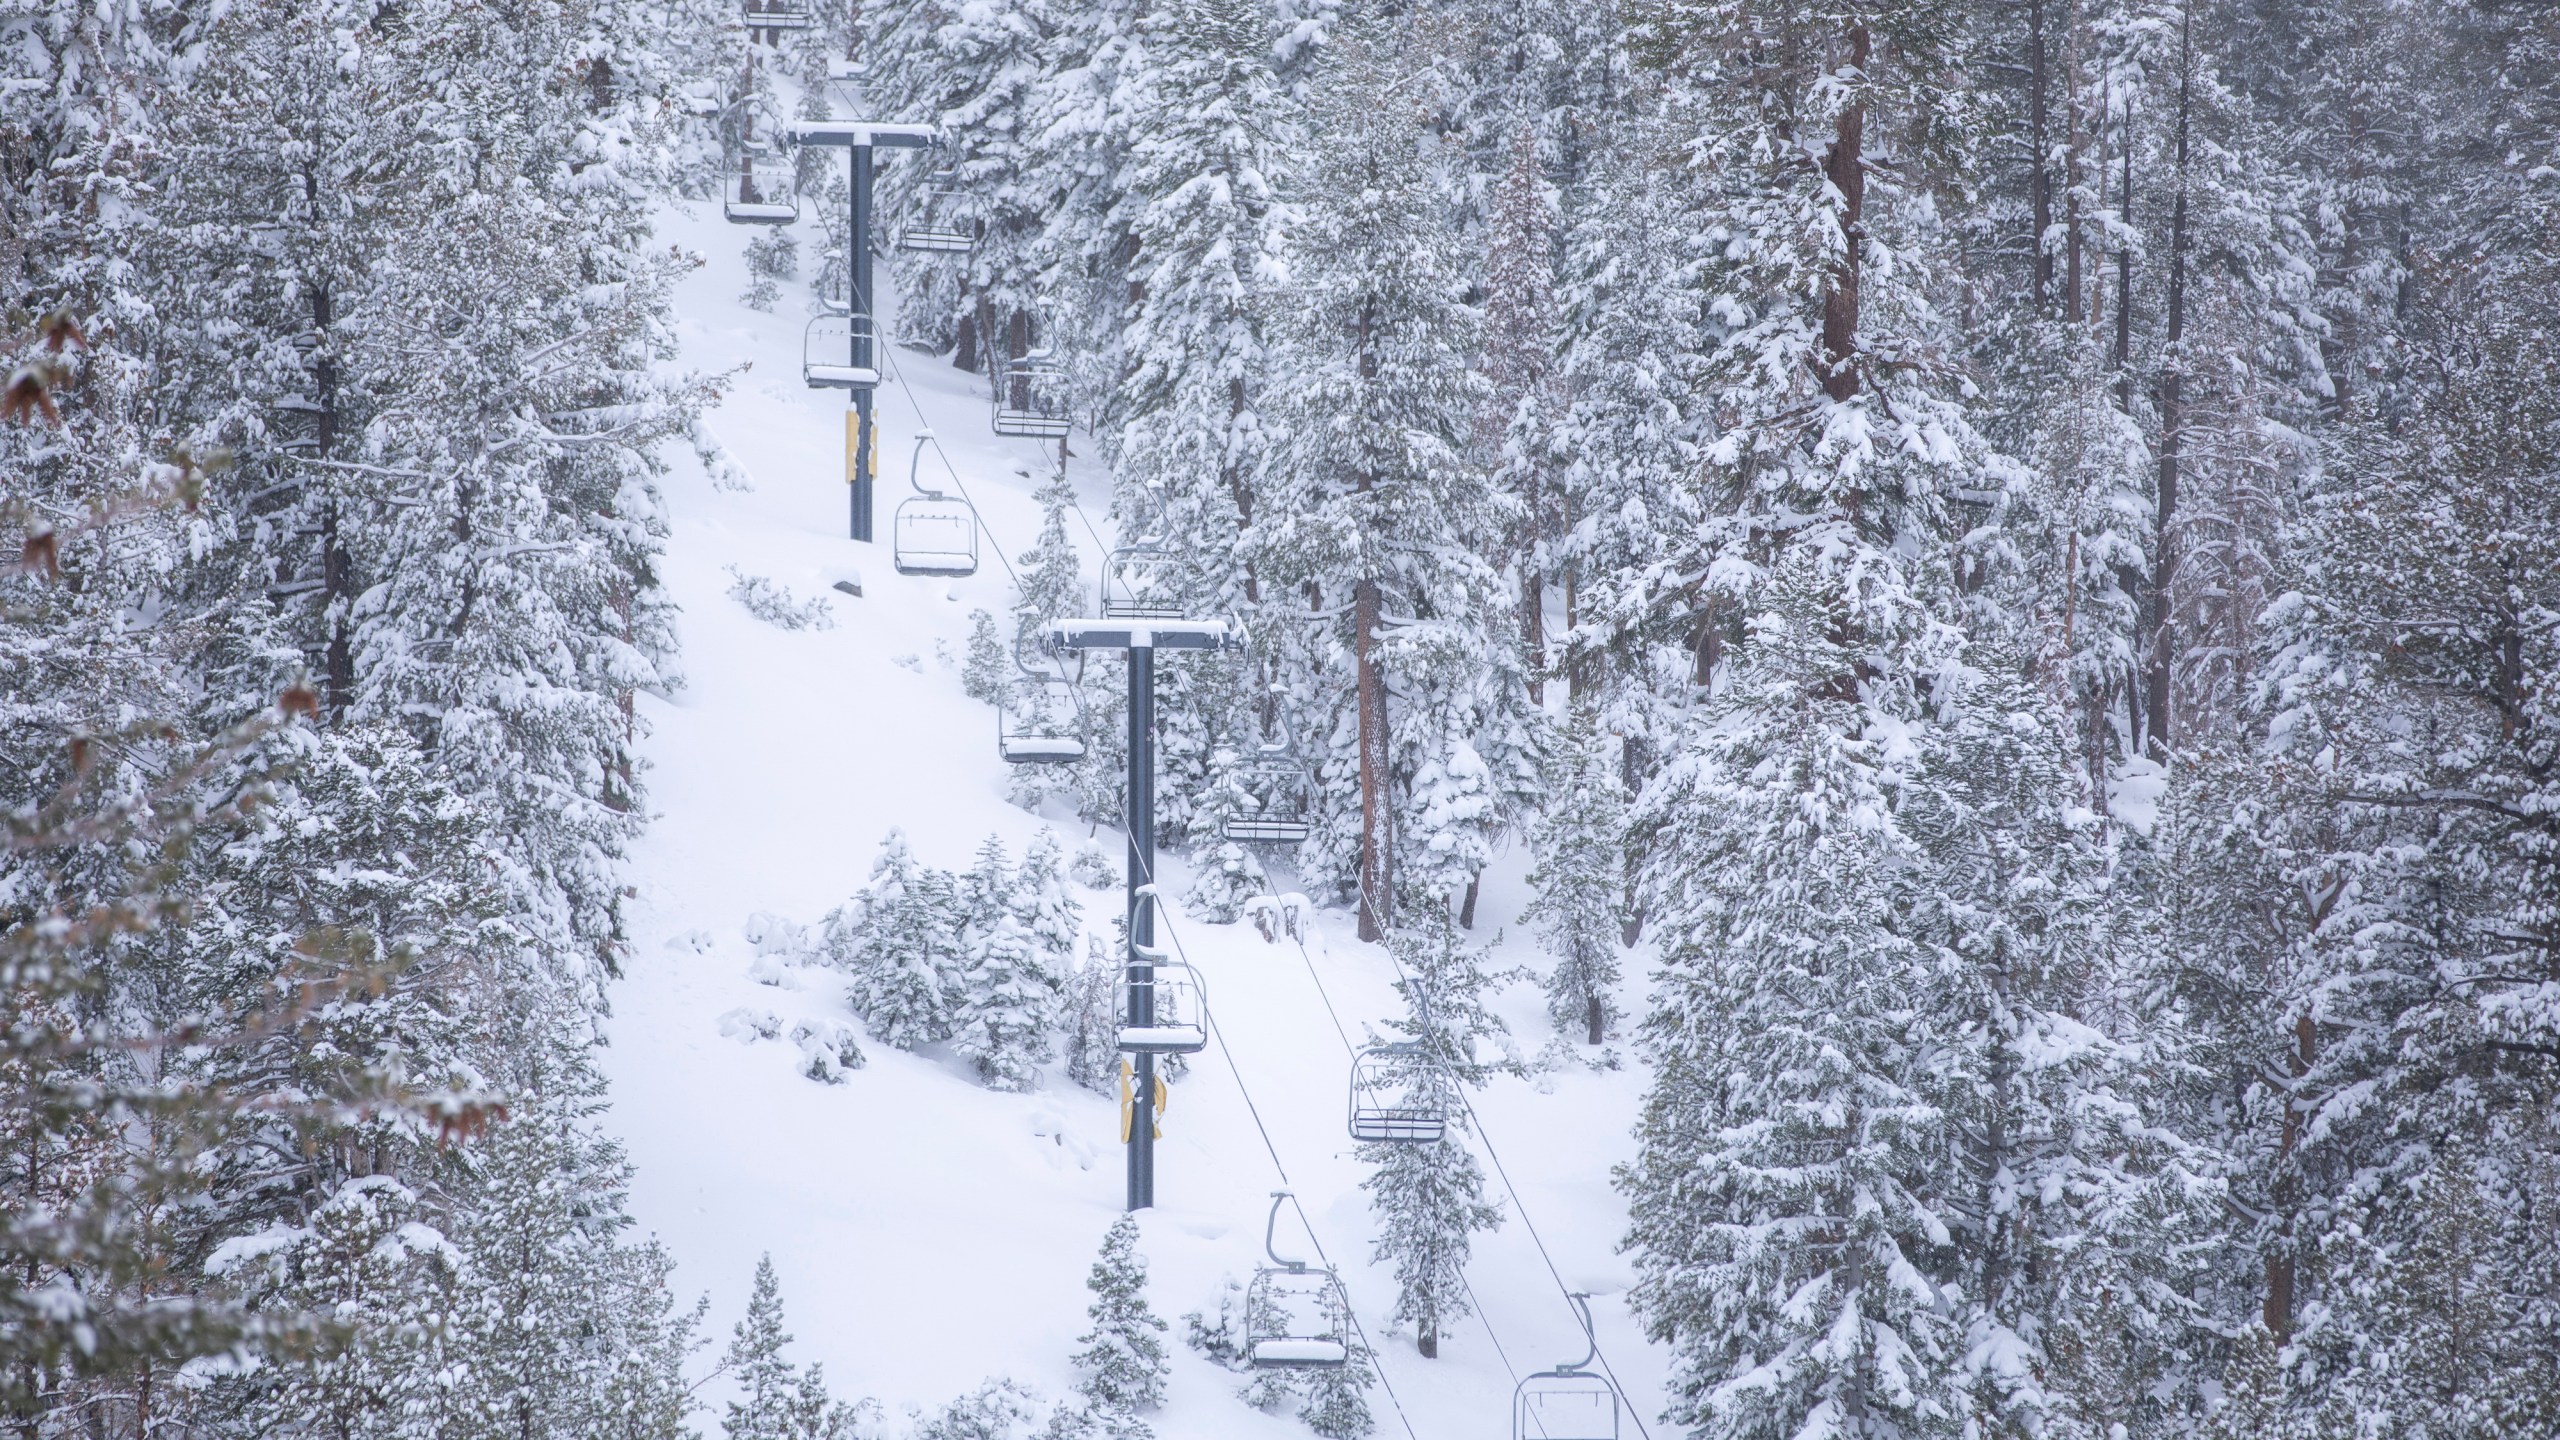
x=2001, y=557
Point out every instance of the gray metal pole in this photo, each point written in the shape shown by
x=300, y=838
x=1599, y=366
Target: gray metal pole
x=1142, y=923
x=866, y=326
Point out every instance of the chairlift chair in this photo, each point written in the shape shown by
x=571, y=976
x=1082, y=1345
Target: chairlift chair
x=760, y=192
x=1569, y=1402
x=777, y=15
x=934, y=231
x=1028, y=737
x=1393, y=1097
x=1174, y=1007
x=931, y=533
x=1296, y=1316
x=1284, y=797
x=1133, y=583
x=827, y=353
x=1029, y=398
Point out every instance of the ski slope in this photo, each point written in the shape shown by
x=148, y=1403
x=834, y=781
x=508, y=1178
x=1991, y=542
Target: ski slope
x=929, y=1233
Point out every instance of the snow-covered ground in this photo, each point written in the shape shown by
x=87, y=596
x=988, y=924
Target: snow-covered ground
x=930, y=1233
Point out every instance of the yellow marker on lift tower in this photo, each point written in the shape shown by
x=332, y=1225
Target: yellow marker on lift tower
x=853, y=448
x=1126, y=1108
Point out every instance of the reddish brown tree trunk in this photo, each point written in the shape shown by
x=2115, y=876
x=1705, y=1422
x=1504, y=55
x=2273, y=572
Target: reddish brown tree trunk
x=2039, y=178
x=1845, y=166
x=1372, y=702
x=2160, y=649
x=2277, y=1313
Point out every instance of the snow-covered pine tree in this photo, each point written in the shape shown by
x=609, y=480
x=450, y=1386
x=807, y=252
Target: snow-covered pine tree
x=987, y=672
x=767, y=1382
x=1004, y=992
x=1428, y=1198
x=897, y=941
x=1199, y=189
x=1813, y=1056
x=1370, y=508
x=1089, y=1021
x=1122, y=1365
x=1581, y=844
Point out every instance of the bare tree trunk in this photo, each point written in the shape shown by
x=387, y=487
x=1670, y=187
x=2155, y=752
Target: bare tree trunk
x=1632, y=766
x=2124, y=276
x=1533, y=592
x=1592, y=1018
x=2160, y=644
x=1427, y=1338
x=2071, y=182
x=1372, y=702
x=1844, y=165
x=1240, y=488
x=2277, y=1312
x=2039, y=181
x=1467, y=906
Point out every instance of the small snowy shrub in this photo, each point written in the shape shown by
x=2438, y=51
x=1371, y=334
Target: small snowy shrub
x=1092, y=869
x=827, y=1049
x=775, y=605
x=1228, y=878
x=772, y=257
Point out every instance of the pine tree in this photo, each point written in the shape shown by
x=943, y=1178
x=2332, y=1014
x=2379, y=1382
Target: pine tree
x=769, y=1404
x=1581, y=844
x=1371, y=506
x=1428, y=1197
x=1122, y=1362
x=1004, y=993
x=899, y=943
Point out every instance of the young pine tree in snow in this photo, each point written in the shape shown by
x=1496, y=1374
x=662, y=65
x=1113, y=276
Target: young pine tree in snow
x=778, y=1400
x=766, y=1381
x=1429, y=1197
x=1122, y=1363
x=897, y=942
x=1089, y=1023
x=1581, y=845
x=1006, y=988
x=987, y=673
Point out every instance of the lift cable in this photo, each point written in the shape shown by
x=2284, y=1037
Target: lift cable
x=1483, y=1317
x=1634, y=1411
x=1377, y=1365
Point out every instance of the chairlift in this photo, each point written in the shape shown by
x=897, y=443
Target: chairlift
x=1031, y=398
x=931, y=533
x=1569, y=1402
x=1028, y=734
x=1168, y=1012
x=1281, y=787
x=760, y=192
x=1133, y=583
x=1395, y=1099
x=1295, y=1314
x=935, y=231
x=778, y=15
x=827, y=353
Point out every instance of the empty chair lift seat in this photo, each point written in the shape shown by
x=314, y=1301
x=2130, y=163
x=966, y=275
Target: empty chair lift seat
x=827, y=353
x=1287, y=1352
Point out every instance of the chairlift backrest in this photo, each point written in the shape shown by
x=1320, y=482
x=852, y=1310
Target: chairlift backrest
x=1133, y=583
x=1565, y=1405
x=931, y=533
x=1166, y=1013
x=759, y=193
x=1395, y=1098
x=828, y=352
x=1296, y=1316
x=1029, y=730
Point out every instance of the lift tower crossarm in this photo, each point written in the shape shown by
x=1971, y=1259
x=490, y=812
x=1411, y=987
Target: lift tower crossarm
x=882, y=133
